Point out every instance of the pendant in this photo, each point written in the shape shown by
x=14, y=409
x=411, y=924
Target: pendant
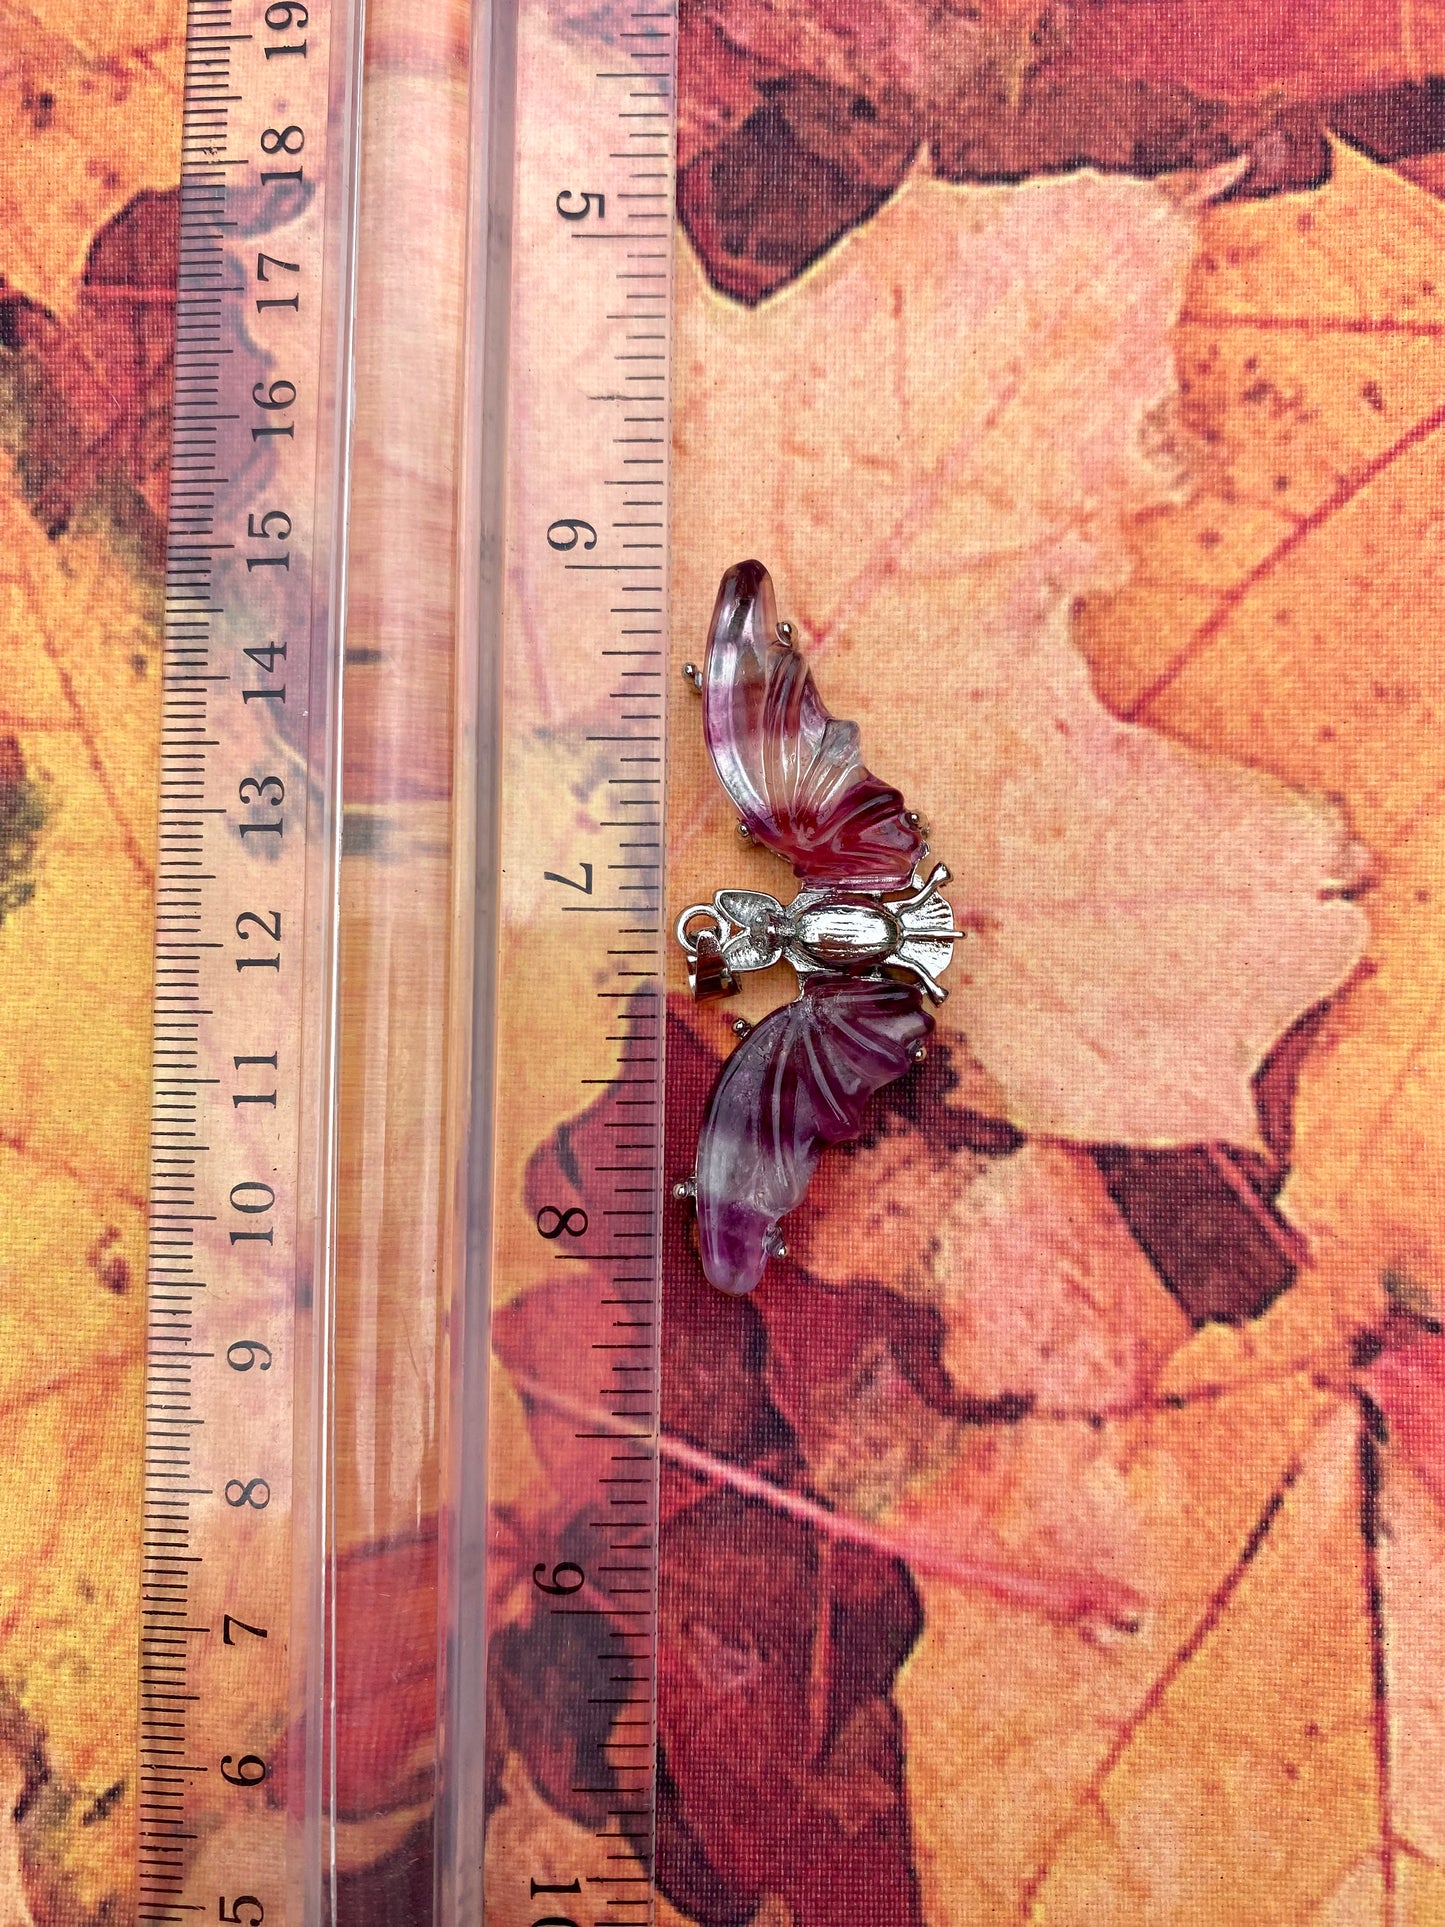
x=868, y=934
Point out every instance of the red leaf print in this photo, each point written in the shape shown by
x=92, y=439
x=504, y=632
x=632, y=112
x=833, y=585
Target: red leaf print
x=96, y=392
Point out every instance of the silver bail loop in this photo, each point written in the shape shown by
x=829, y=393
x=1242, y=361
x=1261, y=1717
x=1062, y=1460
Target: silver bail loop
x=708, y=975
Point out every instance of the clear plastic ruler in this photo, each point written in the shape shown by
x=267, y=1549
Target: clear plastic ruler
x=583, y=326
x=238, y=1179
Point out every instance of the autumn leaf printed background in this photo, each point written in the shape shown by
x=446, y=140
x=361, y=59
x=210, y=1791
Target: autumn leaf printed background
x=89, y=103
x=1055, y=1536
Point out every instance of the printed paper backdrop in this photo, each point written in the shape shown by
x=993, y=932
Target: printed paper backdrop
x=1054, y=1535
x=1088, y=356
x=90, y=107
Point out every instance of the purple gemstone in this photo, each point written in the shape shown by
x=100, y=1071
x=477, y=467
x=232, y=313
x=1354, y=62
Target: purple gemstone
x=793, y=770
x=800, y=1080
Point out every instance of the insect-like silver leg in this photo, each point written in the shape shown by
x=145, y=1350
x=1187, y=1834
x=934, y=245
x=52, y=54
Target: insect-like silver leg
x=935, y=990
x=925, y=893
x=692, y=674
x=684, y=1189
x=930, y=887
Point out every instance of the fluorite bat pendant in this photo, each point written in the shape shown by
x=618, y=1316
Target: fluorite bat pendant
x=868, y=934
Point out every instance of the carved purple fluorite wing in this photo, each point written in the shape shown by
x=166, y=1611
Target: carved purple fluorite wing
x=797, y=1082
x=792, y=769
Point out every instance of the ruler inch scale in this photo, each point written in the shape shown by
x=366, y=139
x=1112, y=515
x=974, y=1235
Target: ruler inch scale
x=584, y=592
x=240, y=1118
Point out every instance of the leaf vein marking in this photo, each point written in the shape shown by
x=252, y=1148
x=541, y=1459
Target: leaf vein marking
x=1349, y=487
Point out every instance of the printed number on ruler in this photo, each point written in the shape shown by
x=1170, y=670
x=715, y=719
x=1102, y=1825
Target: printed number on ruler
x=231, y=1004
x=586, y=594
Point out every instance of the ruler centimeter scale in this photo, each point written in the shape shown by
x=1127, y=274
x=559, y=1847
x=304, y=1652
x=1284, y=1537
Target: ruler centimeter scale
x=588, y=424
x=231, y=1795
x=237, y=1185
